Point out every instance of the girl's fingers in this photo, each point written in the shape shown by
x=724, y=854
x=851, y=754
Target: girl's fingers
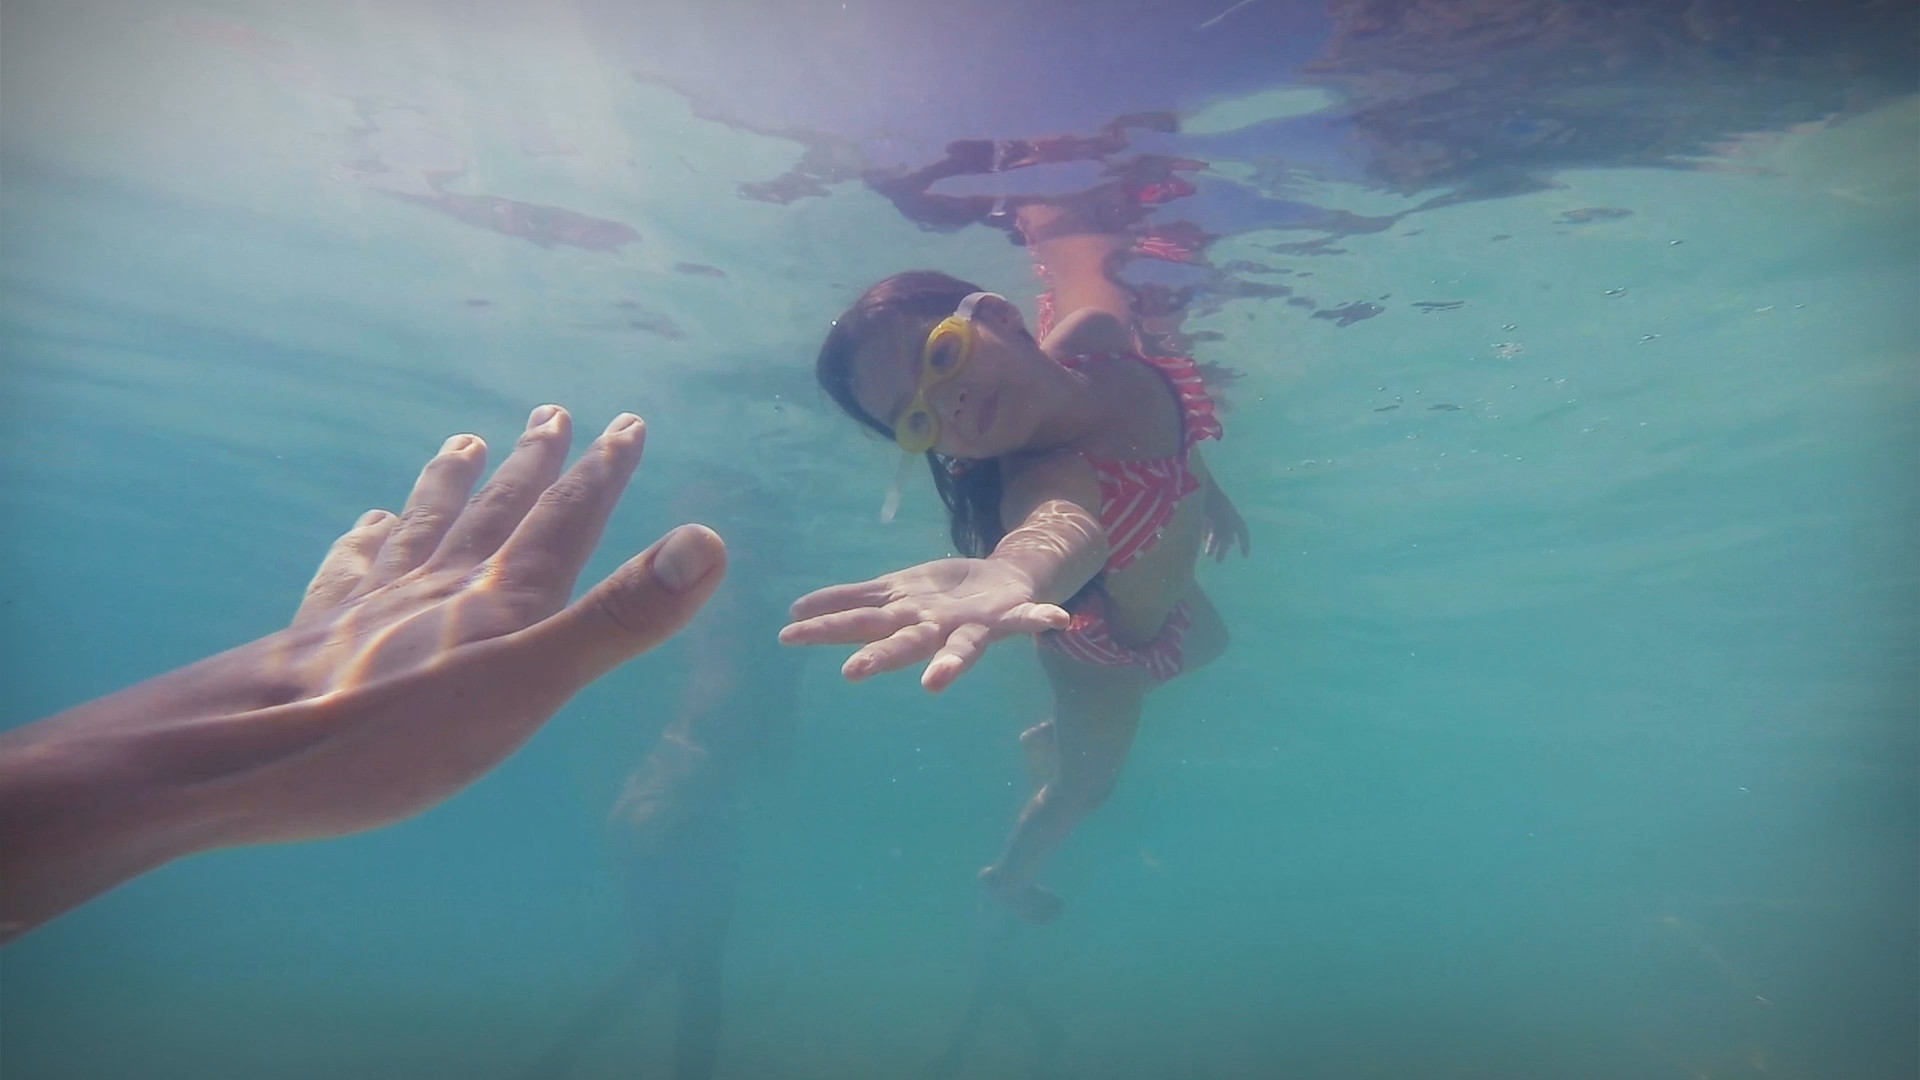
x=347, y=562
x=905, y=646
x=836, y=598
x=856, y=627
x=963, y=649
x=1035, y=619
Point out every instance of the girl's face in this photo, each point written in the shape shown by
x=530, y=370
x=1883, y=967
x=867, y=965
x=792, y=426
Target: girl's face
x=985, y=410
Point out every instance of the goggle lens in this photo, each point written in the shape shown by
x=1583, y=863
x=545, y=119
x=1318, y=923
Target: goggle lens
x=948, y=347
x=917, y=431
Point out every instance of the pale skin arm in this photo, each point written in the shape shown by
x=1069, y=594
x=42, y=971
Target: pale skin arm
x=948, y=611
x=428, y=648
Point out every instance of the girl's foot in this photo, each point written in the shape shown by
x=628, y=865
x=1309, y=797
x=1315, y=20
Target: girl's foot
x=1029, y=901
x=1042, y=753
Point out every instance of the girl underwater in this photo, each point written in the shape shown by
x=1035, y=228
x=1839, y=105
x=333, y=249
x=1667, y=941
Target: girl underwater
x=1070, y=469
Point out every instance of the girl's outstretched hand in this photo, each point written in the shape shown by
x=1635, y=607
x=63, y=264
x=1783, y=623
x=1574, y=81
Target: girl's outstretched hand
x=948, y=610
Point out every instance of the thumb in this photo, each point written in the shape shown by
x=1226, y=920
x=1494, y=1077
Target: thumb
x=1036, y=618
x=643, y=603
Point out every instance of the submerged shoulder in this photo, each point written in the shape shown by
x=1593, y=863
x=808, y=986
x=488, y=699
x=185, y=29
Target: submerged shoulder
x=1088, y=330
x=1142, y=410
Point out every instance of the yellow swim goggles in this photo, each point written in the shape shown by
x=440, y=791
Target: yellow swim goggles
x=949, y=345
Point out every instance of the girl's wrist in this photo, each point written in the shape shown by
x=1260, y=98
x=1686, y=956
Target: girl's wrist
x=1045, y=576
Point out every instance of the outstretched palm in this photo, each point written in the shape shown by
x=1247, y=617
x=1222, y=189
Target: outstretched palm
x=946, y=612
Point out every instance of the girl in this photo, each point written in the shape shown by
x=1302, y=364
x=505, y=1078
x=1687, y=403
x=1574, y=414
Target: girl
x=1070, y=470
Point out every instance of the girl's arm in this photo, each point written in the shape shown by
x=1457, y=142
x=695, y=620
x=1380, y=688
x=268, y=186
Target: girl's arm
x=1226, y=529
x=1058, y=544
x=1096, y=312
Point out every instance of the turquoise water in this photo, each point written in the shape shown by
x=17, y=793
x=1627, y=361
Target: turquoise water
x=1567, y=731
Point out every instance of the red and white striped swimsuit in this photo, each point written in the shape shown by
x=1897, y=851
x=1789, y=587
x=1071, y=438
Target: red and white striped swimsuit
x=1137, y=500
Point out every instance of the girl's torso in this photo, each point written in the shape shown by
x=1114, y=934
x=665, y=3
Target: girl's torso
x=1150, y=479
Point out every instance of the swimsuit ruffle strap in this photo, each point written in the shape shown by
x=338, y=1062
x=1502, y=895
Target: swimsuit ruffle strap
x=1201, y=418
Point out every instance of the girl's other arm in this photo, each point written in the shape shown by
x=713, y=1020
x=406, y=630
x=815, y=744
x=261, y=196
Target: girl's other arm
x=1096, y=312
x=1226, y=529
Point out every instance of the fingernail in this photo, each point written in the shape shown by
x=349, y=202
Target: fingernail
x=457, y=444
x=542, y=415
x=623, y=423
x=684, y=559
x=369, y=518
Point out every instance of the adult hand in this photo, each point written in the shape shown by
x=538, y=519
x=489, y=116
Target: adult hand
x=429, y=646
x=948, y=610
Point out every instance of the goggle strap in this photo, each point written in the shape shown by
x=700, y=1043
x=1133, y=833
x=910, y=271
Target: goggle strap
x=891, y=505
x=965, y=310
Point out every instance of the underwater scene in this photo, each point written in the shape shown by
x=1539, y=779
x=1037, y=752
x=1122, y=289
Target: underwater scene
x=1467, y=447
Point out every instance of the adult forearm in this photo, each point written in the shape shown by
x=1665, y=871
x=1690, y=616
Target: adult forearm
x=78, y=815
x=1059, y=547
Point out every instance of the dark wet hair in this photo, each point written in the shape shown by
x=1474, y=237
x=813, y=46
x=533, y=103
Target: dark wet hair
x=971, y=492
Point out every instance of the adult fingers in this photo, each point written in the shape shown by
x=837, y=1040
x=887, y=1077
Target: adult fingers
x=497, y=509
x=963, y=649
x=646, y=601
x=908, y=645
x=430, y=510
x=858, y=626
x=864, y=594
x=347, y=562
x=547, y=550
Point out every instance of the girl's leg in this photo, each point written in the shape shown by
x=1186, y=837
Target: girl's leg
x=1206, y=640
x=1042, y=753
x=1096, y=712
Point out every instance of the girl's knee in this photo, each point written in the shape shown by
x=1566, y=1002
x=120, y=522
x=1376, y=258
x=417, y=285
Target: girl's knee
x=1084, y=794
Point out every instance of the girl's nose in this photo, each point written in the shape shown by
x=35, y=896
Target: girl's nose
x=948, y=398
